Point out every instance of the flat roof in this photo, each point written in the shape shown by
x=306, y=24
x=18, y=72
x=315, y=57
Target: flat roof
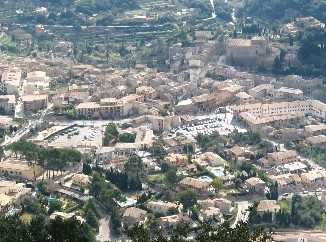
x=184, y=102
x=31, y=98
x=8, y=98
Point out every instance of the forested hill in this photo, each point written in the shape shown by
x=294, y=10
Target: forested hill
x=66, y=12
x=87, y=5
x=278, y=10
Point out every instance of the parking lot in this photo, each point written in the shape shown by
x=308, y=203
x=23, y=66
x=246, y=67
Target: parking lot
x=208, y=124
x=78, y=137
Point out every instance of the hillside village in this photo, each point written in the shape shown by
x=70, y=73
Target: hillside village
x=219, y=127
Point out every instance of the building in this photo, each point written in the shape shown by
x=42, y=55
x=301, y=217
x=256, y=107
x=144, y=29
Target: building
x=295, y=167
x=261, y=91
x=11, y=194
x=288, y=134
x=80, y=180
x=223, y=204
x=7, y=104
x=307, y=85
x=195, y=184
x=314, y=108
x=105, y=154
x=166, y=123
x=36, y=81
x=282, y=157
x=111, y=107
x=65, y=216
x=88, y=109
x=168, y=223
x=267, y=91
x=177, y=160
x=247, y=52
x=236, y=152
x=287, y=182
x=204, y=102
x=132, y=216
x=316, y=129
x=318, y=109
x=11, y=81
x=255, y=185
x=35, y=103
x=210, y=159
x=212, y=215
x=316, y=140
x=268, y=207
x=164, y=208
x=314, y=179
x=256, y=123
x=243, y=97
x=146, y=91
x=289, y=94
x=37, y=76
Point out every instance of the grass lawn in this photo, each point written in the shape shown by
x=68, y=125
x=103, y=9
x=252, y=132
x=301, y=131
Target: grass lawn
x=157, y=178
x=26, y=217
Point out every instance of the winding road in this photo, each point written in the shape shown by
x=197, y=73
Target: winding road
x=243, y=213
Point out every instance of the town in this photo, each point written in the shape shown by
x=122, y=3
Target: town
x=224, y=129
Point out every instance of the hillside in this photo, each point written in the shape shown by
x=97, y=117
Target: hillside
x=104, y=12
x=278, y=10
x=66, y=12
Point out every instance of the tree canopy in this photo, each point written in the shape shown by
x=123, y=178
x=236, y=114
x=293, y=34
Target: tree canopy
x=182, y=233
x=278, y=10
x=40, y=229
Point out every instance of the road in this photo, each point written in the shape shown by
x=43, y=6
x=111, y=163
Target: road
x=104, y=230
x=243, y=212
x=33, y=123
x=300, y=235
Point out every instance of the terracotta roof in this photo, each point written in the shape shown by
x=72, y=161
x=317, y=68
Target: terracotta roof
x=268, y=206
x=195, y=183
x=134, y=212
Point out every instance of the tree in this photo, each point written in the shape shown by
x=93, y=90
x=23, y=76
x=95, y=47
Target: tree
x=127, y=138
x=32, y=205
x=188, y=198
x=206, y=232
x=111, y=133
x=91, y=206
x=188, y=149
x=55, y=205
x=217, y=183
x=40, y=229
x=283, y=217
x=2, y=153
x=171, y=177
x=69, y=230
x=49, y=158
x=87, y=169
x=158, y=151
x=91, y=219
x=273, y=191
x=306, y=211
x=134, y=166
x=115, y=220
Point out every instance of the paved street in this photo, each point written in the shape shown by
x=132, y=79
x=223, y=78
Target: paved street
x=39, y=119
x=104, y=230
x=243, y=213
